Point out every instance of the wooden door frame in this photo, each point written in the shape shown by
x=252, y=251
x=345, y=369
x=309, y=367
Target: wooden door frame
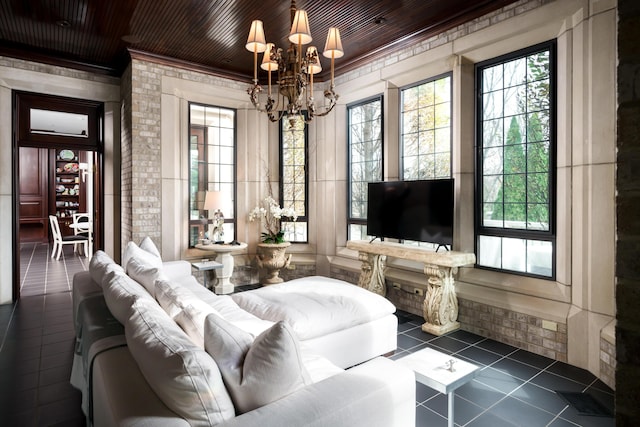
x=22, y=102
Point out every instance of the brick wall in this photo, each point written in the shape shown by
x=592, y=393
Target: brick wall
x=146, y=182
x=297, y=271
x=510, y=327
x=627, y=216
x=608, y=363
x=21, y=64
x=125, y=157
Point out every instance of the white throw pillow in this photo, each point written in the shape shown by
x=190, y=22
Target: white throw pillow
x=167, y=298
x=259, y=372
x=100, y=265
x=148, y=245
x=183, y=376
x=133, y=251
x=191, y=320
x=145, y=274
x=118, y=288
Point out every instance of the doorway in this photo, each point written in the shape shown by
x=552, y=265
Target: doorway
x=57, y=181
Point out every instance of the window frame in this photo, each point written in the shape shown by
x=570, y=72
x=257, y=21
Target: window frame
x=199, y=222
x=380, y=97
x=401, y=155
x=301, y=218
x=502, y=232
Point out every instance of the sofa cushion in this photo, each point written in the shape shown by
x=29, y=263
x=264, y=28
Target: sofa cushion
x=185, y=378
x=315, y=306
x=132, y=250
x=147, y=245
x=100, y=265
x=191, y=319
x=256, y=372
x=173, y=298
x=144, y=273
x=167, y=298
x=118, y=289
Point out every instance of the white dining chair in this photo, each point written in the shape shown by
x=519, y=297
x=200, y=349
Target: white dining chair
x=59, y=240
x=79, y=220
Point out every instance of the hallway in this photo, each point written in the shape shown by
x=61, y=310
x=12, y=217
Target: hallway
x=36, y=343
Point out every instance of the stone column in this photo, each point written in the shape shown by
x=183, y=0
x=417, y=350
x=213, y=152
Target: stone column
x=372, y=273
x=440, y=307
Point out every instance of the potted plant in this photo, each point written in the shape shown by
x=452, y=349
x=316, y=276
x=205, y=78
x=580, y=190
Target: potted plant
x=272, y=247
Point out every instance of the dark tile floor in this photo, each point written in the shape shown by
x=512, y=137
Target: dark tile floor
x=36, y=343
x=514, y=387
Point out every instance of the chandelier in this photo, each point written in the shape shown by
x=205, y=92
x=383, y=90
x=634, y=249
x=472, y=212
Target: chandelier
x=295, y=69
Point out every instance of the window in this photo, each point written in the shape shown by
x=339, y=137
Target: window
x=365, y=161
x=212, y=155
x=516, y=161
x=425, y=135
x=294, y=177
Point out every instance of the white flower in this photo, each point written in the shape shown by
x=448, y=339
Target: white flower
x=270, y=214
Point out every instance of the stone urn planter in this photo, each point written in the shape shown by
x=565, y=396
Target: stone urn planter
x=273, y=257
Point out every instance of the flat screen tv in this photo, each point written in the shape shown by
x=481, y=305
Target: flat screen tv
x=412, y=210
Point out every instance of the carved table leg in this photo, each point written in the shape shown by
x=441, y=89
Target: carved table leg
x=440, y=308
x=372, y=273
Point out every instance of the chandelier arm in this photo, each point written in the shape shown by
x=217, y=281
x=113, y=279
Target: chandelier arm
x=332, y=96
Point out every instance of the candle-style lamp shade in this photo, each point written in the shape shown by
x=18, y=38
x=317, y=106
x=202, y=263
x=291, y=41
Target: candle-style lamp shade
x=313, y=62
x=267, y=63
x=333, y=48
x=333, y=45
x=256, y=42
x=300, y=32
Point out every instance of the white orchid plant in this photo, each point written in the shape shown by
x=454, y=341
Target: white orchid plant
x=271, y=214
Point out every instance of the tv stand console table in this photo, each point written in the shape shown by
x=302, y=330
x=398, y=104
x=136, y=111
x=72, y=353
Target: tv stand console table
x=440, y=307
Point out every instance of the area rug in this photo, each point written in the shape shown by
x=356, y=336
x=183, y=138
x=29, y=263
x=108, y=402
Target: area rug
x=585, y=404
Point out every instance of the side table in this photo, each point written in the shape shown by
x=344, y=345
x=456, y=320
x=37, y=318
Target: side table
x=224, y=257
x=205, y=266
x=440, y=372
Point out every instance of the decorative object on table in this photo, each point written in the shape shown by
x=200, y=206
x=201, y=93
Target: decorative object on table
x=295, y=69
x=216, y=201
x=273, y=257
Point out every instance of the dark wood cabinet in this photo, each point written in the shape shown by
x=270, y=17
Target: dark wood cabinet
x=34, y=194
x=50, y=183
x=69, y=188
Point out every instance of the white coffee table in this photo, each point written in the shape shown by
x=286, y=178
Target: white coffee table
x=432, y=369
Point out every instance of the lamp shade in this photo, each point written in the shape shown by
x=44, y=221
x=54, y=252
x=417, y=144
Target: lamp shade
x=267, y=63
x=300, y=32
x=256, y=41
x=313, y=61
x=214, y=200
x=333, y=45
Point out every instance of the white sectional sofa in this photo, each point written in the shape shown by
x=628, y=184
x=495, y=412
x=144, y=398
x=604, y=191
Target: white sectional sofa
x=156, y=348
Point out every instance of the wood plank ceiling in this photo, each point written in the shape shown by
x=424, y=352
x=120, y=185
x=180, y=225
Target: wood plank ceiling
x=97, y=35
